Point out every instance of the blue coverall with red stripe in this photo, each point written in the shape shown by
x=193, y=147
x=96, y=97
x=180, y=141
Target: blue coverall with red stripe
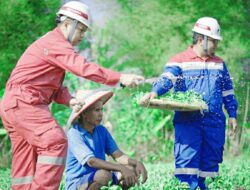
x=199, y=137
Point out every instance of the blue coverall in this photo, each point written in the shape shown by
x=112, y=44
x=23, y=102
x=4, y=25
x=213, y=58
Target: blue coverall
x=199, y=137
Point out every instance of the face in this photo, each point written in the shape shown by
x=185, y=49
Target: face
x=211, y=45
x=79, y=32
x=93, y=115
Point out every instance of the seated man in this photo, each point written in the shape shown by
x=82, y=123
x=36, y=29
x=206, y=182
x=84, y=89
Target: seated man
x=88, y=142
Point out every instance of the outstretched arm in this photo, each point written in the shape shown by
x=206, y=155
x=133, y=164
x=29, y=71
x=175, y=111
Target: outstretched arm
x=165, y=82
x=64, y=56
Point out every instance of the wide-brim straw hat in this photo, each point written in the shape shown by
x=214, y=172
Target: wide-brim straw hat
x=89, y=97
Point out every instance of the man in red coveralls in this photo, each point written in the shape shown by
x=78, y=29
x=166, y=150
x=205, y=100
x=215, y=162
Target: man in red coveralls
x=39, y=144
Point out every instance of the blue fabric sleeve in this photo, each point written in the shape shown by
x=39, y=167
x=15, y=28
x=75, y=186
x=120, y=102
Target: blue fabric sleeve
x=164, y=83
x=110, y=144
x=229, y=99
x=78, y=147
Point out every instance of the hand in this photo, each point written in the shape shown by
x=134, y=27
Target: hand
x=141, y=170
x=144, y=101
x=129, y=176
x=131, y=80
x=233, y=126
x=76, y=104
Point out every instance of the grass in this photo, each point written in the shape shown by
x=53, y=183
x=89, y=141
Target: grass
x=234, y=175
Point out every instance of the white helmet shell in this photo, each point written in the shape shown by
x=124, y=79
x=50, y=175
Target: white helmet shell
x=208, y=26
x=76, y=10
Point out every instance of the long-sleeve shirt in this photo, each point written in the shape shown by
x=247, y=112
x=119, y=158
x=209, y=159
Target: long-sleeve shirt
x=210, y=78
x=41, y=69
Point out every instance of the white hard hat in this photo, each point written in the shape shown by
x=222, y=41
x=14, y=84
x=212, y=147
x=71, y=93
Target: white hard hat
x=75, y=10
x=208, y=26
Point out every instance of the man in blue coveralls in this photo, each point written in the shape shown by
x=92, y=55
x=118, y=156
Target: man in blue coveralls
x=199, y=138
x=88, y=141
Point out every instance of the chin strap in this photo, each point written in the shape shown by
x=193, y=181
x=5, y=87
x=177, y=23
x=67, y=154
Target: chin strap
x=205, y=45
x=72, y=30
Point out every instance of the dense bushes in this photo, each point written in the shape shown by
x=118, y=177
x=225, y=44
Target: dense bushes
x=140, y=39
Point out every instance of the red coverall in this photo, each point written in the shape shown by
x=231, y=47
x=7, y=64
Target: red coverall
x=39, y=144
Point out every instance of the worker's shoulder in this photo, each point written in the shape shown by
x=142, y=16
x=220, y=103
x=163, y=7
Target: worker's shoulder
x=188, y=56
x=52, y=39
x=73, y=133
x=181, y=57
x=217, y=59
x=101, y=128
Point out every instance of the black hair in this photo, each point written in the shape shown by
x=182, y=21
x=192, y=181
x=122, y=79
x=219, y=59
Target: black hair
x=80, y=119
x=58, y=19
x=196, y=36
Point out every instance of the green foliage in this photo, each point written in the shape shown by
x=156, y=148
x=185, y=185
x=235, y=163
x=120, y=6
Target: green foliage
x=1, y=93
x=140, y=39
x=3, y=132
x=135, y=126
x=5, y=179
x=22, y=22
x=234, y=174
x=189, y=97
x=143, y=36
x=153, y=31
x=5, y=147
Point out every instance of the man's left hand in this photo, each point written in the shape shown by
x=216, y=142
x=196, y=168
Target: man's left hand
x=141, y=170
x=232, y=122
x=131, y=80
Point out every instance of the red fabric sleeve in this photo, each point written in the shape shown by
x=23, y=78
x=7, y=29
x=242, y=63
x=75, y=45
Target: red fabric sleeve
x=64, y=56
x=62, y=96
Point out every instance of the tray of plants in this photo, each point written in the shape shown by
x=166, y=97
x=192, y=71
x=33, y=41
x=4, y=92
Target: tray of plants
x=179, y=101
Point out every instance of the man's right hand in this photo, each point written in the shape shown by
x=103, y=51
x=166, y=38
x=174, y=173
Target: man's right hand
x=233, y=126
x=147, y=97
x=129, y=176
x=75, y=104
x=131, y=80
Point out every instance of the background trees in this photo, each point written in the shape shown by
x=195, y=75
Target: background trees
x=140, y=39
x=144, y=36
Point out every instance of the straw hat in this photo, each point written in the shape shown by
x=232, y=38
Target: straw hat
x=89, y=97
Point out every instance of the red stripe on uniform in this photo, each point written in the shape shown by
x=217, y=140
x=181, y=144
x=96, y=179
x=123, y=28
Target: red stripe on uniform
x=85, y=16
x=202, y=26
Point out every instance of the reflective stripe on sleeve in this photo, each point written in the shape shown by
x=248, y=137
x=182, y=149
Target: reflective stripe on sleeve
x=173, y=64
x=51, y=160
x=22, y=180
x=170, y=76
x=186, y=171
x=227, y=92
x=208, y=174
x=185, y=66
x=201, y=66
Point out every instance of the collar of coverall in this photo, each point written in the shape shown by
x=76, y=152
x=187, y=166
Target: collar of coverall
x=193, y=55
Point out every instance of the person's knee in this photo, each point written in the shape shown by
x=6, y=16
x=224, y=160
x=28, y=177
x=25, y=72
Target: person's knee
x=119, y=175
x=102, y=177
